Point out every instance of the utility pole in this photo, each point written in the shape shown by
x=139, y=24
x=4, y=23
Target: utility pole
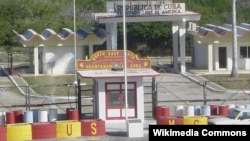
x=234, y=72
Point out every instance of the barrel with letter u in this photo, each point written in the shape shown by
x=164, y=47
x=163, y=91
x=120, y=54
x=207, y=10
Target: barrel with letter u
x=195, y=120
x=19, y=132
x=43, y=130
x=68, y=129
x=93, y=127
x=169, y=121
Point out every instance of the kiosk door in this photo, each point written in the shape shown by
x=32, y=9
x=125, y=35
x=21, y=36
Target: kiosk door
x=115, y=101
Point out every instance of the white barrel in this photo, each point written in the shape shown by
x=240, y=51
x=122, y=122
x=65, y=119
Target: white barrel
x=197, y=110
x=205, y=110
x=240, y=106
x=52, y=115
x=179, y=110
x=42, y=116
x=189, y=110
x=28, y=116
x=247, y=106
x=230, y=106
x=2, y=118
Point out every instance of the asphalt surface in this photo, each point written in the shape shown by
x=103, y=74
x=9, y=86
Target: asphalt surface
x=173, y=90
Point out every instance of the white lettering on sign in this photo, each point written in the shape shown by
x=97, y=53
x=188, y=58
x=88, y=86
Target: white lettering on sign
x=146, y=8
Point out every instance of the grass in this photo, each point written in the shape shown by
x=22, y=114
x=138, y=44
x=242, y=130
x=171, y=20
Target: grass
x=60, y=85
x=228, y=82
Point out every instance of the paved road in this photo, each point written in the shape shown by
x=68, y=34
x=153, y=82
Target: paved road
x=183, y=89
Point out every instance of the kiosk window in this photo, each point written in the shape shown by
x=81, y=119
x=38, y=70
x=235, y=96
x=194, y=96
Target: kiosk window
x=113, y=99
x=130, y=99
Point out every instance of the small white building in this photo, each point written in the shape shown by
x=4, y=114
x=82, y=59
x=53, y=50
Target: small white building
x=212, y=46
x=112, y=78
x=56, y=53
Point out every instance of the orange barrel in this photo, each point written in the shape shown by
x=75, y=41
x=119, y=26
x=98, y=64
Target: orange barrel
x=223, y=110
x=169, y=121
x=10, y=117
x=18, y=116
x=3, y=136
x=158, y=111
x=73, y=115
x=93, y=127
x=214, y=109
x=67, y=112
x=43, y=130
x=164, y=111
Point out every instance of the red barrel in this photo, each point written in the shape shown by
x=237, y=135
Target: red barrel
x=67, y=112
x=165, y=111
x=223, y=110
x=3, y=134
x=158, y=112
x=214, y=109
x=73, y=115
x=169, y=121
x=10, y=117
x=43, y=130
x=93, y=127
x=18, y=116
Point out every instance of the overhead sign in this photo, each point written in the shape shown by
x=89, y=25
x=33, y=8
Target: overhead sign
x=107, y=59
x=146, y=8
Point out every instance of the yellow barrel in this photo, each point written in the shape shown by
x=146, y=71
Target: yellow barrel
x=68, y=129
x=19, y=132
x=195, y=120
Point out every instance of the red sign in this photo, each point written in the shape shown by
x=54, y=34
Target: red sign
x=106, y=59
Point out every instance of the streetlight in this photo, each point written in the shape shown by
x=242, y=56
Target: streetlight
x=74, y=8
x=125, y=59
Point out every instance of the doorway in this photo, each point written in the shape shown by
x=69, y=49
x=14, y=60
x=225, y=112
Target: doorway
x=115, y=100
x=222, y=57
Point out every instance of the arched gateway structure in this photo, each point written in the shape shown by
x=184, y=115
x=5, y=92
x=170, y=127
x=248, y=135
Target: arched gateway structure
x=149, y=11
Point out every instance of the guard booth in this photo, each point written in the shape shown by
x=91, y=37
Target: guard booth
x=106, y=68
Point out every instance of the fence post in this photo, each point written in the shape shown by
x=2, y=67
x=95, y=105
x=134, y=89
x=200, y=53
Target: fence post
x=154, y=96
x=79, y=99
x=205, y=93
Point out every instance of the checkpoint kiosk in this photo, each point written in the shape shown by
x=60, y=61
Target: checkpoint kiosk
x=106, y=68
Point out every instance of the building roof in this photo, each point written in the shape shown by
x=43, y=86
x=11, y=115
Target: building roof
x=81, y=34
x=218, y=31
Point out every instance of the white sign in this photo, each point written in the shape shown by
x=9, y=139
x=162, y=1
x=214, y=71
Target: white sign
x=146, y=8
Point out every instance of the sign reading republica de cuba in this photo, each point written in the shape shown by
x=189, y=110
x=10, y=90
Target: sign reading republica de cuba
x=145, y=8
x=106, y=59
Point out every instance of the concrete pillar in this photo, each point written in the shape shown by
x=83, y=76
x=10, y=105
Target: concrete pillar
x=210, y=57
x=90, y=50
x=182, y=41
x=111, y=41
x=36, y=61
x=175, y=29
